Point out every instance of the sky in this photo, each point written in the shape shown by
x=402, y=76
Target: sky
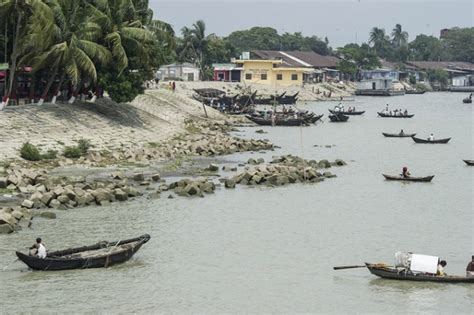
x=342, y=21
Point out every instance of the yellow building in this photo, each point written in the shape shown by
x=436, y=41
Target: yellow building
x=270, y=72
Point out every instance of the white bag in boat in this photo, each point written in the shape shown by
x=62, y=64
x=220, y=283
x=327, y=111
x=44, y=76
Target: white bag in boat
x=424, y=263
x=402, y=259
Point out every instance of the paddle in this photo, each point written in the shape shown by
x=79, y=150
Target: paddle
x=348, y=267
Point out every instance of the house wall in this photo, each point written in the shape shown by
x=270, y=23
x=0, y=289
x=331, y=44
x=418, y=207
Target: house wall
x=178, y=72
x=380, y=84
x=266, y=73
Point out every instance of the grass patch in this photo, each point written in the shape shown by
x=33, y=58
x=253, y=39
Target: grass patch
x=4, y=191
x=30, y=152
x=154, y=145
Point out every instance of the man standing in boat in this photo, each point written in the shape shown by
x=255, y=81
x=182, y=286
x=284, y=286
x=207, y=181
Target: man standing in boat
x=405, y=172
x=470, y=268
x=38, y=249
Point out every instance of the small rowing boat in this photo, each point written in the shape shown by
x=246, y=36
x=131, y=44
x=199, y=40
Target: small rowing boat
x=435, y=141
x=279, y=121
x=398, y=135
x=102, y=254
x=388, y=272
x=352, y=113
x=338, y=118
x=394, y=116
x=409, y=179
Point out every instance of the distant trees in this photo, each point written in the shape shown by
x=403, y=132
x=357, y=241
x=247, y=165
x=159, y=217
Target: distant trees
x=355, y=57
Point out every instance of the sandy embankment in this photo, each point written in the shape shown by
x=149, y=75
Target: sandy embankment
x=152, y=117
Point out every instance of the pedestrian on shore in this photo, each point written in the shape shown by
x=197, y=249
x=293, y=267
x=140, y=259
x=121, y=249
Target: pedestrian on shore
x=173, y=86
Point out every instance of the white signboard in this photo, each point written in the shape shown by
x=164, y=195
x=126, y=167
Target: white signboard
x=424, y=263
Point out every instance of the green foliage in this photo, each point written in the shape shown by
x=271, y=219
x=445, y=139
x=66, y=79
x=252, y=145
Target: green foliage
x=355, y=57
x=425, y=48
x=348, y=67
x=421, y=87
x=438, y=76
x=124, y=87
x=72, y=152
x=412, y=79
x=459, y=44
x=30, y=152
x=50, y=155
x=84, y=145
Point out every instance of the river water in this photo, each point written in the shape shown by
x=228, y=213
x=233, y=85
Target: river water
x=272, y=250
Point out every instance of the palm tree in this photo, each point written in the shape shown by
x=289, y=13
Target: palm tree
x=19, y=11
x=72, y=49
x=378, y=38
x=165, y=40
x=196, y=41
x=399, y=37
x=123, y=28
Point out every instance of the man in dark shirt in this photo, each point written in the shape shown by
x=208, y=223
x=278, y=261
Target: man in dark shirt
x=470, y=268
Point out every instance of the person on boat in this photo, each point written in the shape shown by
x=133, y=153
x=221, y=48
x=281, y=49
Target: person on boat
x=386, y=109
x=431, y=138
x=405, y=112
x=405, y=172
x=401, y=132
x=441, y=265
x=470, y=268
x=38, y=249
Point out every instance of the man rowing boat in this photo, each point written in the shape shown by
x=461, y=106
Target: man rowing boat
x=38, y=249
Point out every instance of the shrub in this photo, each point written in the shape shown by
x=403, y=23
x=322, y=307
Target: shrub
x=72, y=152
x=49, y=155
x=30, y=152
x=84, y=146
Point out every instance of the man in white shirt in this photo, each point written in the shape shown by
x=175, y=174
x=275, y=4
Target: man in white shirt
x=431, y=138
x=38, y=249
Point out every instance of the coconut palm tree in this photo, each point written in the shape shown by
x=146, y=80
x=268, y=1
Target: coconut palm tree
x=72, y=49
x=165, y=40
x=399, y=37
x=123, y=29
x=378, y=38
x=19, y=11
x=196, y=41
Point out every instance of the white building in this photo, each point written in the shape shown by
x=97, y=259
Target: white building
x=182, y=72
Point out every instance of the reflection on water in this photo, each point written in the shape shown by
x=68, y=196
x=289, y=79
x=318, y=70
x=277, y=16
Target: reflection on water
x=272, y=250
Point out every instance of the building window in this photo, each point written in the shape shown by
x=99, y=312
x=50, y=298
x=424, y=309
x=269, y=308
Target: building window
x=279, y=77
x=294, y=77
x=248, y=76
x=263, y=76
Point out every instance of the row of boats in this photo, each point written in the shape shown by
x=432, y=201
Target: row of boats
x=105, y=254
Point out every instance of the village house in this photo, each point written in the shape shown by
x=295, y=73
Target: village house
x=181, y=72
x=228, y=72
x=461, y=74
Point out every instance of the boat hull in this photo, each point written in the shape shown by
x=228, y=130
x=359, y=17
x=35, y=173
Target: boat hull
x=437, y=141
x=338, y=118
x=393, y=116
x=397, y=135
x=278, y=122
x=55, y=263
x=392, y=273
x=409, y=179
x=347, y=113
x=469, y=162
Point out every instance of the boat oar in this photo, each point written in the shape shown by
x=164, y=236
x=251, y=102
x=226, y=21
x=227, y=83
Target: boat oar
x=348, y=267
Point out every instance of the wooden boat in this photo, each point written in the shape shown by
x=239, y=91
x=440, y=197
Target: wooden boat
x=209, y=92
x=414, y=92
x=393, y=116
x=313, y=119
x=279, y=121
x=419, y=140
x=409, y=179
x=347, y=113
x=384, y=271
x=398, y=135
x=338, y=118
x=467, y=100
x=469, y=162
x=102, y=254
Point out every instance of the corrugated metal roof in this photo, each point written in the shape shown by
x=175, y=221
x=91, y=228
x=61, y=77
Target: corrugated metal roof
x=298, y=58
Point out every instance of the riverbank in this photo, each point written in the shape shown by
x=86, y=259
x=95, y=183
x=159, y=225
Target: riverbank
x=136, y=149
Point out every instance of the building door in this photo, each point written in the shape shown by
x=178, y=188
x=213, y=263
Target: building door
x=190, y=76
x=373, y=85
